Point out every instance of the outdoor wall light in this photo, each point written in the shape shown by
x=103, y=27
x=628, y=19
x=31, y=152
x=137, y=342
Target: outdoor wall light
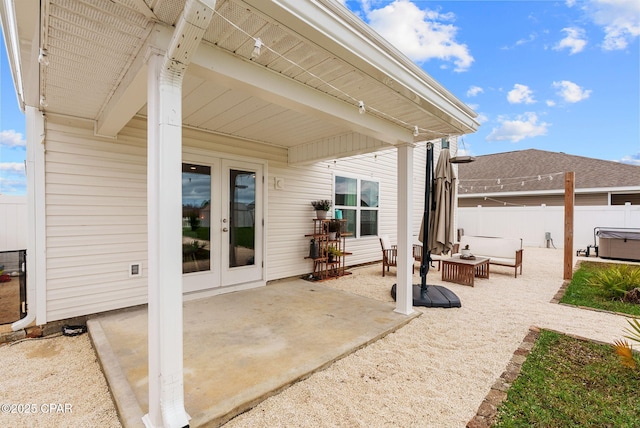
x=361, y=108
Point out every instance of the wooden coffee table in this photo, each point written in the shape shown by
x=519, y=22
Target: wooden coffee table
x=464, y=271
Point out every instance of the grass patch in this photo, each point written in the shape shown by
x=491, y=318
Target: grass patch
x=580, y=293
x=566, y=382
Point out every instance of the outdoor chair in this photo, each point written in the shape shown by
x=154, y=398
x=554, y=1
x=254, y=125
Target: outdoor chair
x=390, y=254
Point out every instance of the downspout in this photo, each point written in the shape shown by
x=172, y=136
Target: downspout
x=36, y=264
x=164, y=141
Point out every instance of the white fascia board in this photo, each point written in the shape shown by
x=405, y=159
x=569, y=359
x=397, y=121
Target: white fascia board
x=236, y=72
x=551, y=192
x=332, y=27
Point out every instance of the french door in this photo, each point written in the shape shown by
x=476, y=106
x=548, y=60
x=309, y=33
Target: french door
x=222, y=210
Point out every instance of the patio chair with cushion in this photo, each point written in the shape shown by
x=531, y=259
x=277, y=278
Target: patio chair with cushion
x=390, y=253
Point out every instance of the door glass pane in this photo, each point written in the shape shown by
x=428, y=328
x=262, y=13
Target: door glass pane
x=242, y=214
x=196, y=217
x=346, y=191
x=369, y=194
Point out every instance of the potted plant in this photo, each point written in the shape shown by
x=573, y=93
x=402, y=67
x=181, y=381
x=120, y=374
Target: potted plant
x=333, y=253
x=466, y=252
x=322, y=207
x=334, y=229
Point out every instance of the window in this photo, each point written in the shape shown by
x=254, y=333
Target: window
x=358, y=199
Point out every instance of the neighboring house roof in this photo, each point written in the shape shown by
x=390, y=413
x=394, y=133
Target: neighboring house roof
x=538, y=172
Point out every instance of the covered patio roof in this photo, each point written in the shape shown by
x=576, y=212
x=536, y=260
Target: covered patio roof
x=317, y=62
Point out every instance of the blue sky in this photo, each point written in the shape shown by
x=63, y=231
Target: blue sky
x=561, y=76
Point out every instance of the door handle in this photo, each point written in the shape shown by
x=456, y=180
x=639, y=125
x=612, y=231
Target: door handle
x=225, y=229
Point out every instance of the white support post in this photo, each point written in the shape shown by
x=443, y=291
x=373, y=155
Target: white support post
x=164, y=196
x=404, y=287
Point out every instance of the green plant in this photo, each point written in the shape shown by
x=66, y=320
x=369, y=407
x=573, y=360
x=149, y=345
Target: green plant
x=322, y=205
x=616, y=280
x=579, y=293
x=625, y=350
x=333, y=252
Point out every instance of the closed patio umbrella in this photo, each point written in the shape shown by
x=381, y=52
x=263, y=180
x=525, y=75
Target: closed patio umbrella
x=441, y=228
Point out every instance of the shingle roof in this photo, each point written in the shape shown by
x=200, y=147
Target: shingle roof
x=539, y=170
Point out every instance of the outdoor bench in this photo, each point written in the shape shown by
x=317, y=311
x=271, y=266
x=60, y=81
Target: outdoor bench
x=500, y=251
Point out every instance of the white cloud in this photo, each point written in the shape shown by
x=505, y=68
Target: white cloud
x=520, y=94
x=474, y=90
x=482, y=118
x=12, y=167
x=550, y=103
x=570, y=92
x=620, y=20
x=575, y=40
x=523, y=126
x=421, y=34
x=632, y=159
x=11, y=138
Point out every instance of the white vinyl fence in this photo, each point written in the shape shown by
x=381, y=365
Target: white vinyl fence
x=531, y=223
x=13, y=223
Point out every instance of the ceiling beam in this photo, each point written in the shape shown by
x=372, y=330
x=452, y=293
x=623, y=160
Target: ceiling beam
x=240, y=73
x=131, y=94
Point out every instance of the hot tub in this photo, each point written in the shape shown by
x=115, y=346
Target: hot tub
x=617, y=243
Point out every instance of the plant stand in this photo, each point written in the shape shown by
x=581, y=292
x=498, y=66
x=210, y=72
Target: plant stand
x=323, y=269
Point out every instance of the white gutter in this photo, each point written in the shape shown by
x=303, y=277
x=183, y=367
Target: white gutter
x=10, y=33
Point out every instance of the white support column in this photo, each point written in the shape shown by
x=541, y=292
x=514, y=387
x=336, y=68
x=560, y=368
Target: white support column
x=164, y=202
x=164, y=196
x=404, y=287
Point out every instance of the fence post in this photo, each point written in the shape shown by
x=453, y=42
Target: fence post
x=569, y=200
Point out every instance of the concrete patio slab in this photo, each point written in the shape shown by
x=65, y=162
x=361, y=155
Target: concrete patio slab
x=243, y=347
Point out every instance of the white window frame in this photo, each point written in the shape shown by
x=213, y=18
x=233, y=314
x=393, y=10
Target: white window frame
x=357, y=207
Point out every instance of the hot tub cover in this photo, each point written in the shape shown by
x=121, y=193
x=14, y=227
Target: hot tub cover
x=626, y=234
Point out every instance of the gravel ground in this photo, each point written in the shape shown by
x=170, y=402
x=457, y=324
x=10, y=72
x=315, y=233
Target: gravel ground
x=434, y=372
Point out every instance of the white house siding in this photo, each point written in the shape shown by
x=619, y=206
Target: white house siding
x=96, y=220
x=96, y=210
x=290, y=212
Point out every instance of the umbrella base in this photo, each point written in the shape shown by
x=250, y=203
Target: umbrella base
x=435, y=296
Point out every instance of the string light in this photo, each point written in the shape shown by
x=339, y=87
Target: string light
x=43, y=58
x=256, y=49
x=467, y=184
x=259, y=45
